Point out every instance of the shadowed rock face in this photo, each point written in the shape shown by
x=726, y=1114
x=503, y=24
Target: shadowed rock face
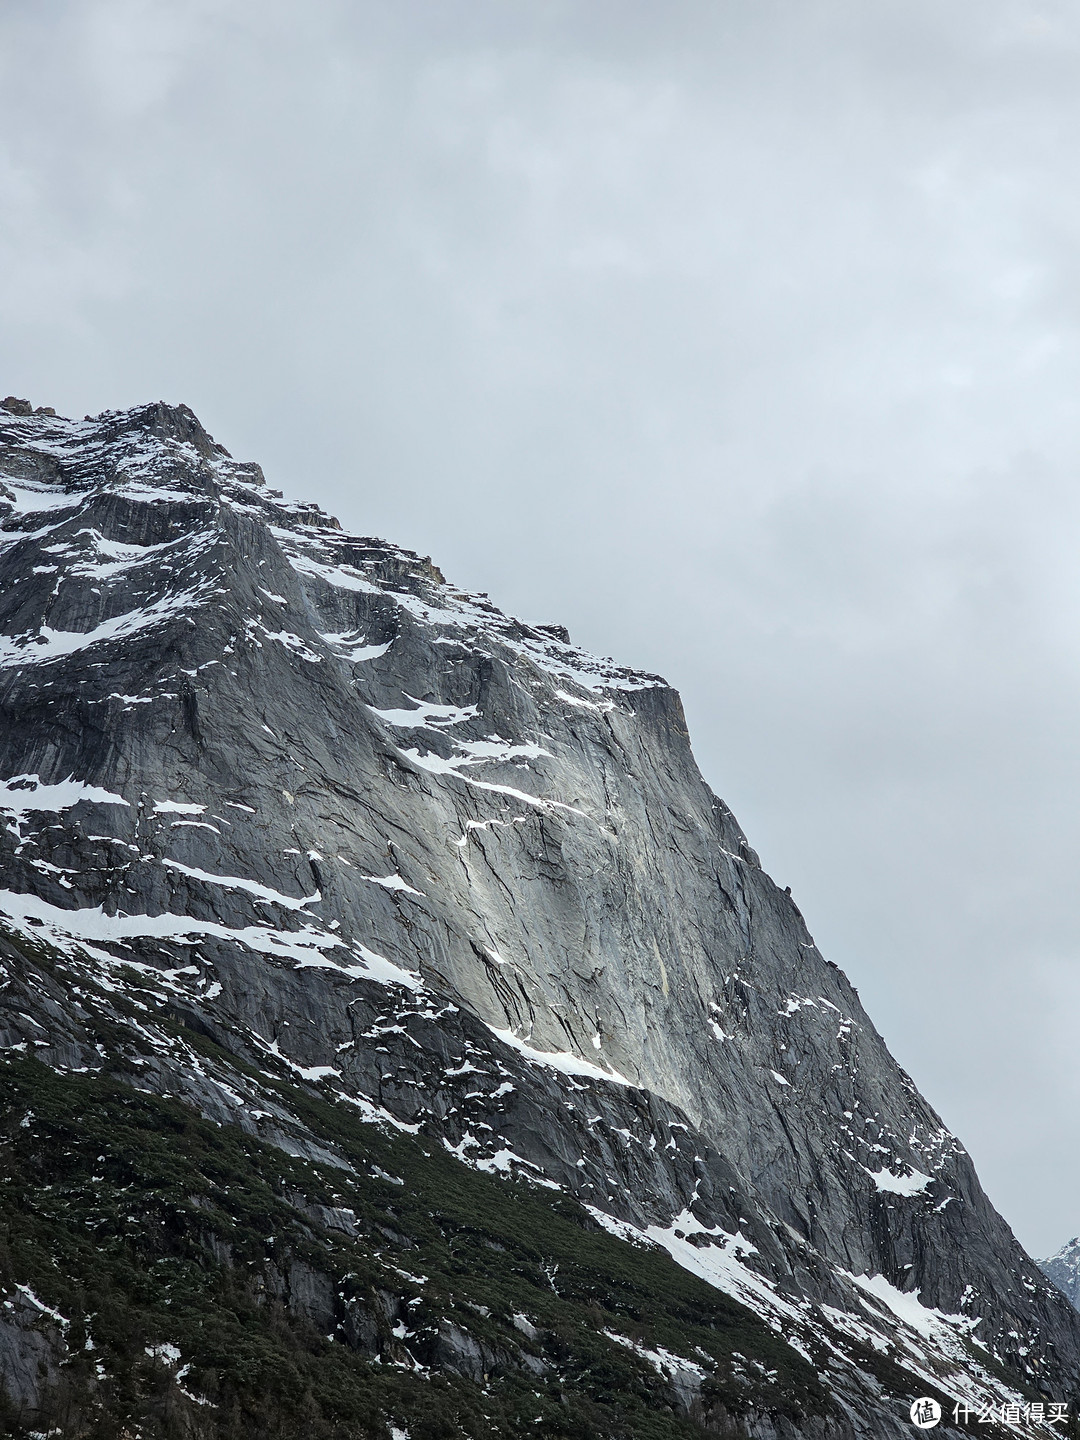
x=370, y=832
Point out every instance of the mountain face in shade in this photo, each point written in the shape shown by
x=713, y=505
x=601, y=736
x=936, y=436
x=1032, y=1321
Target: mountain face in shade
x=1064, y=1270
x=399, y=1036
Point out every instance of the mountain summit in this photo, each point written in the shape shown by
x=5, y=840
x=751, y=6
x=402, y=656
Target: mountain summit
x=400, y=1039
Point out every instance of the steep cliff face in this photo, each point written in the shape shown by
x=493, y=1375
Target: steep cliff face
x=288, y=795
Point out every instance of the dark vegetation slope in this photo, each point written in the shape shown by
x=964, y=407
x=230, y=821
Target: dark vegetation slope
x=290, y=1292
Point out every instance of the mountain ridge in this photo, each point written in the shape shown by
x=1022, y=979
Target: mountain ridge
x=361, y=828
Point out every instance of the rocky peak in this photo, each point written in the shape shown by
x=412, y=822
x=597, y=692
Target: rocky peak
x=166, y=422
x=24, y=407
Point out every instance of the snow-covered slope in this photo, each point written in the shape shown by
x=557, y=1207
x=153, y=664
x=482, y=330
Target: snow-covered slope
x=292, y=789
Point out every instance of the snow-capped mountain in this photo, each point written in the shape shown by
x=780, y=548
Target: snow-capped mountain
x=540, y=1105
x=1063, y=1268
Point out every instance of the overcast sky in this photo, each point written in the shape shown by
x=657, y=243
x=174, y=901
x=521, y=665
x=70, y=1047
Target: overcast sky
x=742, y=337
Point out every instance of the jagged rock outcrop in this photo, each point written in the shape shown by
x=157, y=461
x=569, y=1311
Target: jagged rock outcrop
x=290, y=791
